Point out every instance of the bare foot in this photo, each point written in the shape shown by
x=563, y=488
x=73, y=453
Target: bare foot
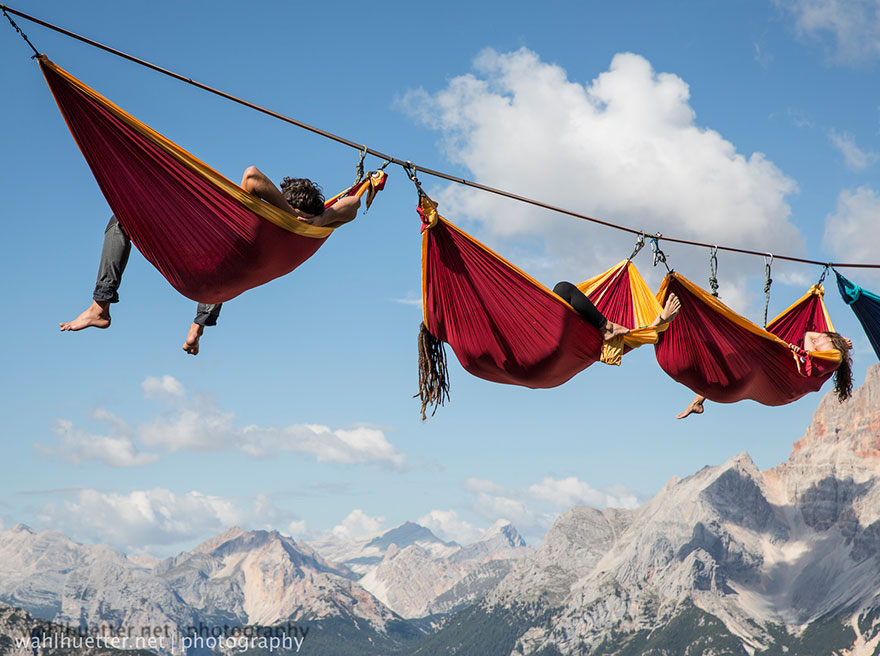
x=97, y=315
x=667, y=314
x=612, y=330
x=191, y=345
x=695, y=408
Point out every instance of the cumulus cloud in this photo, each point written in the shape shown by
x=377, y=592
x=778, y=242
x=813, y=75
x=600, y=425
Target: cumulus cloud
x=854, y=157
x=570, y=491
x=358, y=523
x=297, y=529
x=625, y=147
x=533, y=509
x=156, y=517
x=852, y=232
x=116, y=448
x=163, y=387
x=849, y=29
x=196, y=424
x=447, y=525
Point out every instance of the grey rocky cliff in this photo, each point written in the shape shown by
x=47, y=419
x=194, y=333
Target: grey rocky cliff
x=415, y=583
x=769, y=554
x=237, y=578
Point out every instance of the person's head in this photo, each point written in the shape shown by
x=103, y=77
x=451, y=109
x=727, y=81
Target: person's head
x=843, y=376
x=303, y=194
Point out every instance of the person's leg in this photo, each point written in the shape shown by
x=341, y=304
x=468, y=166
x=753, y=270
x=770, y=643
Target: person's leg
x=695, y=408
x=206, y=315
x=667, y=314
x=584, y=307
x=114, y=258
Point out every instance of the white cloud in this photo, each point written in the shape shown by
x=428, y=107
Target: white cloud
x=447, y=525
x=849, y=29
x=159, y=388
x=155, y=518
x=854, y=157
x=852, y=232
x=358, y=523
x=482, y=485
x=196, y=424
x=762, y=57
x=625, y=147
x=297, y=529
x=515, y=509
x=533, y=509
x=409, y=300
x=116, y=448
x=567, y=492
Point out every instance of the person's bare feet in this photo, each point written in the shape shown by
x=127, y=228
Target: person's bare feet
x=97, y=315
x=695, y=408
x=191, y=345
x=667, y=314
x=612, y=330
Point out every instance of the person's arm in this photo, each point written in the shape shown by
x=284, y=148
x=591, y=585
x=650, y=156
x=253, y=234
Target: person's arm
x=810, y=340
x=340, y=213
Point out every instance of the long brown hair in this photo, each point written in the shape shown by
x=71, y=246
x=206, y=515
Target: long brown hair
x=843, y=376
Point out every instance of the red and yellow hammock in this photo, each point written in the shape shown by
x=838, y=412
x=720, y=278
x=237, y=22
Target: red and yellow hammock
x=727, y=358
x=207, y=236
x=506, y=327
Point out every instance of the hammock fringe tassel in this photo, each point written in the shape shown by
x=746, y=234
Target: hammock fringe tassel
x=433, y=374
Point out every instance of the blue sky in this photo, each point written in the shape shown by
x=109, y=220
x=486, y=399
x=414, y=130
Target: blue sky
x=748, y=123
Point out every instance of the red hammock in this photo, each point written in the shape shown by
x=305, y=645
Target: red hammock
x=209, y=238
x=726, y=358
x=506, y=327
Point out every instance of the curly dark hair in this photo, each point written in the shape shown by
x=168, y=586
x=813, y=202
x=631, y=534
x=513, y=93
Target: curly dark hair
x=303, y=194
x=843, y=376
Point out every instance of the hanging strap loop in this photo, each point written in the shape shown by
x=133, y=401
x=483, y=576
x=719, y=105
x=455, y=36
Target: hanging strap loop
x=410, y=170
x=659, y=255
x=824, y=272
x=768, y=281
x=359, y=169
x=18, y=29
x=640, y=244
x=713, y=270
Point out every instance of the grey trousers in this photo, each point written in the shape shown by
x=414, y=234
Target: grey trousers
x=114, y=257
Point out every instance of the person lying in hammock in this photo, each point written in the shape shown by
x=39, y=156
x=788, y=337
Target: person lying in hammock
x=826, y=341
x=609, y=330
x=298, y=196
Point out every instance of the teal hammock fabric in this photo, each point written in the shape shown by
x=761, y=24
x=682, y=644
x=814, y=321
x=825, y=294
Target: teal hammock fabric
x=866, y=307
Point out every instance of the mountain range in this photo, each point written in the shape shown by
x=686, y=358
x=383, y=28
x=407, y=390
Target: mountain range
x=731, y=560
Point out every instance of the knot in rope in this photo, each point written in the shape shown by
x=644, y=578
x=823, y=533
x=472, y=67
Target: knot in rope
x=713, y=271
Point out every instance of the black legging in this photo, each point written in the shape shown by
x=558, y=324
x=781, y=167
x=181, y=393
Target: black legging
x=582, y=305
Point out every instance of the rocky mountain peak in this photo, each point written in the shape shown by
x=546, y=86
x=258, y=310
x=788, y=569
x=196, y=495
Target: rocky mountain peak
x=22, y=528
x=842, y=443
x=503, y=531
x=406, y=534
